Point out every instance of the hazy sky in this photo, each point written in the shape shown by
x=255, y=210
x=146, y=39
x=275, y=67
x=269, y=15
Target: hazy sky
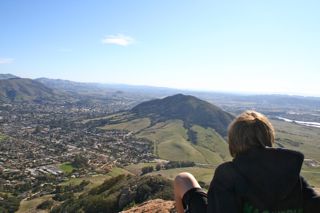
x=241, y=46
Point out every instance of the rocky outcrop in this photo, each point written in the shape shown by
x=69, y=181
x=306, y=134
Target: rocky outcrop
x=155, y=206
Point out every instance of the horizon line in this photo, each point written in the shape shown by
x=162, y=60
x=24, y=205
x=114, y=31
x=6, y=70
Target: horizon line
x=297, y=94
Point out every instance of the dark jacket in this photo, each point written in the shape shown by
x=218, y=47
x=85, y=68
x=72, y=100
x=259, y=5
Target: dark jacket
x=262, y=180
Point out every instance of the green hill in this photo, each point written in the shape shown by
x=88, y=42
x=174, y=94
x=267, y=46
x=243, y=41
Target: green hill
x=181, y=127
x=118, y=193
x=23, y=89
x=189, y=109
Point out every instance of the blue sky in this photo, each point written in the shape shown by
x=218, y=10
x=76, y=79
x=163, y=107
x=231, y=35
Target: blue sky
x=236, y=46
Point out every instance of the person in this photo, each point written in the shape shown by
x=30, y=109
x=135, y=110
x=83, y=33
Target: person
x=259, y=179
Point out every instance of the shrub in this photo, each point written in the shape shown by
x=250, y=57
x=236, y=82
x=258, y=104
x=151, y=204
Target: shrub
x=62, y=196
x=97, y=204
x=147, y=169
x=45, y=205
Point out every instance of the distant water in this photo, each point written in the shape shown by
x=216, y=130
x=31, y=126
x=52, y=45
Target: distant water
x=304, y=123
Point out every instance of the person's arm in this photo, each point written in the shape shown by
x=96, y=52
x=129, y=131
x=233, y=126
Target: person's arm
x=310, y=197
x=221, y=194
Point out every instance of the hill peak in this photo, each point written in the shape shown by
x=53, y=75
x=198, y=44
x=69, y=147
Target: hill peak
x=7, y=76
x=191, y=110
x=23, y=89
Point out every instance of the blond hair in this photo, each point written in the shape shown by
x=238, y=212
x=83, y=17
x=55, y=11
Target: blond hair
x=250, y=129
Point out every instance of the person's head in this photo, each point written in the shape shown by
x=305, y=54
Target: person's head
x=250, y=129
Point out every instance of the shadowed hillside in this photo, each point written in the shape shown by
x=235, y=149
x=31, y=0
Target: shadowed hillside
x=7, y=76
x=23, y=89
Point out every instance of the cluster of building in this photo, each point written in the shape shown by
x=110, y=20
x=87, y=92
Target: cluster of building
x=36, y=139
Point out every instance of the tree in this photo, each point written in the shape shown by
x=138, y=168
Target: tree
x=79, y=161
x=45, y=205
x=158, y=167
x=147, y=169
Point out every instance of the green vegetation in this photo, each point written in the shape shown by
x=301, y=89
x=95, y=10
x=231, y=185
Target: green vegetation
x=189, y=109
x=63, y=196
x=101, y=118
x=94, y=180
x=211, y=145
x=31, y=205
x=79, y=162
x=202, y=174
x=45, y=205
x=132, y=126
x=172, y=142
x=298, y=137
x=117, y=193
x=67, y=168
x=136, y=168
x=3, y=137
x=116, y=171
x=178, y=164
x=8, y=203
x=312, y=177
x=22, y=89
x=303, y=139
x=147, y=169
x=183, y=128
x=71, y=187
x=78, y=187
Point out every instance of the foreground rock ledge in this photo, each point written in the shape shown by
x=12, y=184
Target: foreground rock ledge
x=160, y=206
x=155, y=206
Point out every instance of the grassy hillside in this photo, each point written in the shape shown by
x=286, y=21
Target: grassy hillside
x=173, y=143
x=297, y=137
x=31, y=205
x=117, y=193
x=135, y=125
x=94, y=181
x=303, y=139
x=201, y=174
x=22, y=89
x=183, y=128
x=211, y=144
x=189, y=109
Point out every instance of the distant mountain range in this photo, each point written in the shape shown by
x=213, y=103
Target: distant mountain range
x=81, y=87
x=7, y=76
x=98, y=91
x=16, y=89
x=73, y=87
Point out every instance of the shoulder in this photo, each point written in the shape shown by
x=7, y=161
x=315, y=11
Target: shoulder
x=225, y=171
x=224, y=177
x=224, y=168
x=284, y=151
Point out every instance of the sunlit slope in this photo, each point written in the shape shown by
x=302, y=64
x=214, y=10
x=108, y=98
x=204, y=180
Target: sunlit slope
x=189, y=109
x=172, y=142
x=183, y=128
x=297, y=137
x=134, y=125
